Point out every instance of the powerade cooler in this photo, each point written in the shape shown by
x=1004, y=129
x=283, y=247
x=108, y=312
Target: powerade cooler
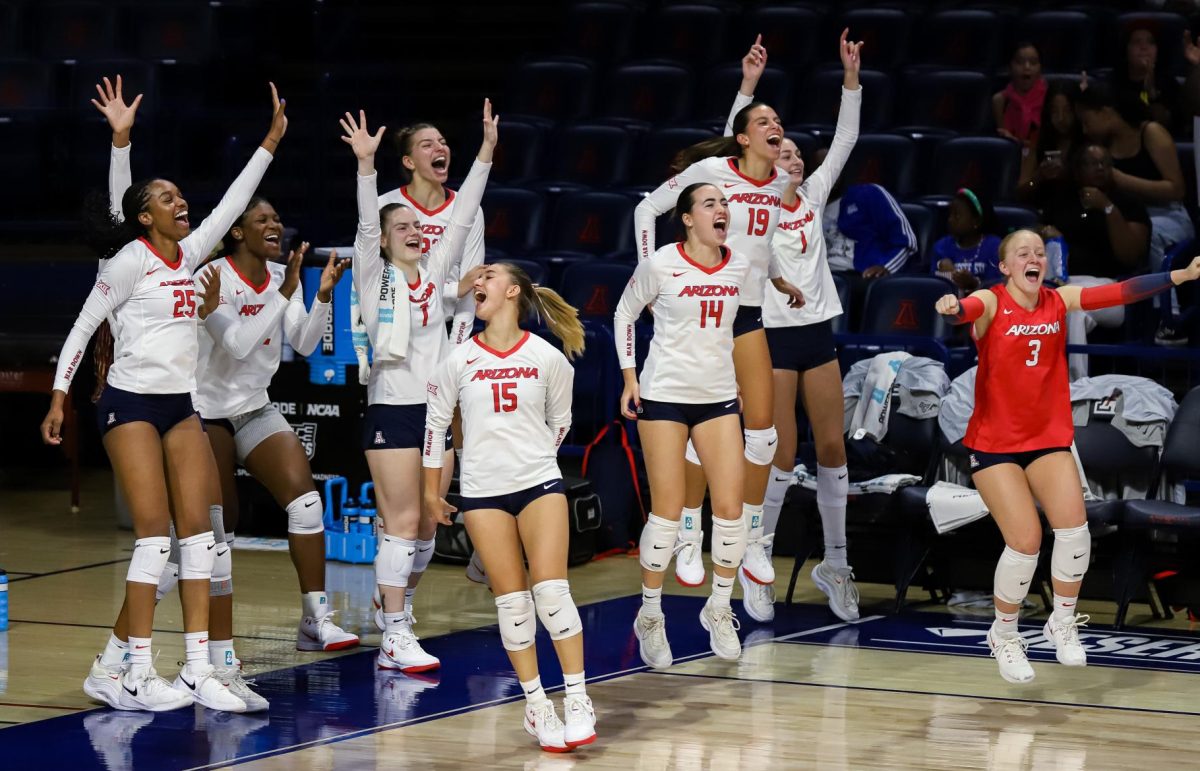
x=327, y=364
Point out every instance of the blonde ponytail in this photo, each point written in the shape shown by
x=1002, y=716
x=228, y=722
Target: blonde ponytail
x=562, y=319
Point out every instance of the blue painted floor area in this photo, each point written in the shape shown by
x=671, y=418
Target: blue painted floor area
x=340, y=698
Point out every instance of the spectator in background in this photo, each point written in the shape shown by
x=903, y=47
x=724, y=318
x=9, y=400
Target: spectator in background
x=1018, y=108
x=1044, y=172
x=969, y=254
x=866, y=234
x=1145, y=164
x=1108, y=233
x=1142, y=75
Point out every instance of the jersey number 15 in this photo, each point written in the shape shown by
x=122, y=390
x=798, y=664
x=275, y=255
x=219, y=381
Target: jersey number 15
x=504, y=397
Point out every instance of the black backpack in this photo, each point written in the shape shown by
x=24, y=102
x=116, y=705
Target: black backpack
x=610, y=464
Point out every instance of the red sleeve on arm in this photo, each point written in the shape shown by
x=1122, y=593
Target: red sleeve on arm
x=1132, y=290
x=969, y=309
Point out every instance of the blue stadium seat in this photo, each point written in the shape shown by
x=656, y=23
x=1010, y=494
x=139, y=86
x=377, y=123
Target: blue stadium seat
x=951, y=100
x=987, y=165
x=885, y=34
x=535, y=270
x=513, y=219
x=922, y=221
x=595, y=288
x=75, y=30
x=26, y=87
x=518, y=159
x=596, y=388
x=888, y=160
x=791, y=35
x=650, y=93
x=602, y=32
x=657, y=150
x=841, y=322
x=371, y=86
x=904, y=306
x=1167, y=28
x=962, y=39
x=554, y=90
x=590, y=156
x=10, y=28
x=21, y=154
x=179, y=32
x=1016, y=217
x=721, y=85
x=692, y=34
x=806, y=143
x=1065, y=39
x=592, y=223
x=818, y=102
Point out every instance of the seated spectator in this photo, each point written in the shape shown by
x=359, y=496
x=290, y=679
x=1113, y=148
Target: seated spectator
x=1145, y=164
x=1044, y=170
x=1138, y=76
x=969, y=254
x=1108, y=233
x=1017, y=109
x=867, y=236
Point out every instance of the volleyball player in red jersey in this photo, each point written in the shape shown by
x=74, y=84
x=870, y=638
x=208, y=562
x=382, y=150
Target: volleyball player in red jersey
x=1020, y=446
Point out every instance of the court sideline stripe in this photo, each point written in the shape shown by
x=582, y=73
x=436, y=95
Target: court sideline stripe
x=32, y=576
x=427, y=718
x=155, y=631
x=42, y=706
x=876, y=689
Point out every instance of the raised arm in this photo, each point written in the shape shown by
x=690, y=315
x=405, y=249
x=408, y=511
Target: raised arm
x=1130, y=291
x=120, y=117
x=819, y=184
x=197, y=246
x=305, y=328
x=464, y=309
x=658, y=203
x=367, y=268
x=753, y=64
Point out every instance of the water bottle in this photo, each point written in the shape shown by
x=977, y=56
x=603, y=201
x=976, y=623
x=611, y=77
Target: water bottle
x=366, y=511
x=350, y=516
x=3, y=601
x=1057, y=253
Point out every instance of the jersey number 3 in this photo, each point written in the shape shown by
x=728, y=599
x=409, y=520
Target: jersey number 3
x=504, y=397
x=1035, y=350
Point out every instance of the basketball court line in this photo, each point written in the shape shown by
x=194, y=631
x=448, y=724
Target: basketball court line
x=31, y=576
x=155, y=631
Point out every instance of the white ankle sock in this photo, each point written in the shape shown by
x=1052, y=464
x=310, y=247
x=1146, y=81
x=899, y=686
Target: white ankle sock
x=753, y=516
x=1006, y=623
x=576, y=684
x=220, y=653
x=722, y=590
x=533, y=690
x=408, y=597
x=115, y=652
x=1064, y=607
x=689, y=524
x=315, y=604
x=394, y=622
x=195, y=646
x=651, y=601
x=139, y=651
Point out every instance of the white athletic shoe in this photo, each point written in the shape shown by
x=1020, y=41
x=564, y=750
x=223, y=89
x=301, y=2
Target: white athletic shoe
x=722, y=625
x=231, y=678
x=651, y=632
x=143, y=689
x=201, y=683
x=104, y=684
x=542, y=723
x=838, y=585
x=581, y=721
x=321, y=634
x=757, y=562
x=1009, y=653
x=111, y=735
x=401, y=650
x=758, y=599
x=1065, y=637
x=689, y=560
x=475, y=571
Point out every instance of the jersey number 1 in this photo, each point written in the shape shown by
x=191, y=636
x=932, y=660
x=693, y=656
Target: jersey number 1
x=759, y=221
x=1035, y=351
x=504, y=397
x=711, y=309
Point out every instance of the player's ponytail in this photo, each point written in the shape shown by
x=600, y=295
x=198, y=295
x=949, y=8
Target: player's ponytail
x=561, y=317
x=716, y=147
x=403, y=139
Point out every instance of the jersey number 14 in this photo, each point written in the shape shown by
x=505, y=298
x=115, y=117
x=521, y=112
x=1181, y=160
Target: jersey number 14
x=711, y=310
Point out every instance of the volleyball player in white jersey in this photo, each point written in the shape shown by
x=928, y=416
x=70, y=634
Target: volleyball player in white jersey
x=150, y=429
x=804, y=356
x=743, y=166
x=688, y=389
x=406, y=327
x=514, y=393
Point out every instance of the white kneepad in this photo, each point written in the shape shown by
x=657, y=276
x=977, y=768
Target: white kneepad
x=149, y=559
x=1014, y=571
x=657, y=543
x=728, y=541
x=690, y=454
x=760, y=445
x=196, y=556
x=515, y=614
x=394, y=562
x=305, y=516
x=556, y=609
x=1071, y=554
x=423, y=556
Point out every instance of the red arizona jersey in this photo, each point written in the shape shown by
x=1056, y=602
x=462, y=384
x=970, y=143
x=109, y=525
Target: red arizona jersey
x=1022, y=391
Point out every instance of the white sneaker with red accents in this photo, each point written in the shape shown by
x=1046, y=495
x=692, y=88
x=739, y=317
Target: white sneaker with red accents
x=580, y=725
x=756, y=565
x=1009, y=652
x=838, y=586
x=143, y=689
x=689, y=559
x=401, y=650
x=1065, y=637
x=231, y=678
x=321, y=634
x=104, y=683
x=201, y=683
x=757, y=599
x=542, y=723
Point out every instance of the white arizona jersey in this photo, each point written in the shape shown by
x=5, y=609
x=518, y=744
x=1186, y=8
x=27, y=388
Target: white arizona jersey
x=403, y=381
x=434, y=223
x=153, y=300
x=799, y=239
x=516, y=410
x=240, y=349
x=691, y=354
x=753, y=215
